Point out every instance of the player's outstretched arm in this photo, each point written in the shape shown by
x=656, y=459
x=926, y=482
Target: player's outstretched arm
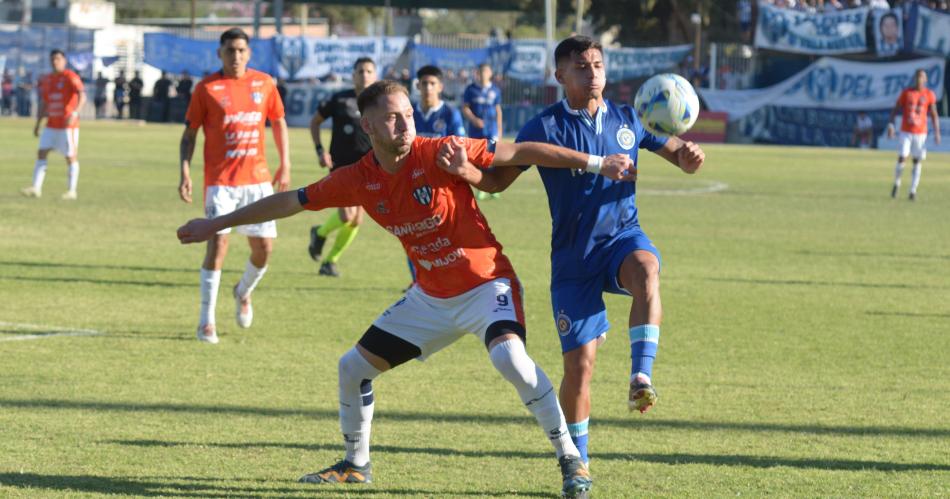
x=615, y=166
x=688, y=156
x=280, y=205
x=491, y=180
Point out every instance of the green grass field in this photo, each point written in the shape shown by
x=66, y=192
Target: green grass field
x=805, y=351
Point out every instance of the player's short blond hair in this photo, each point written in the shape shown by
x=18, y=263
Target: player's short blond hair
x=371, y=94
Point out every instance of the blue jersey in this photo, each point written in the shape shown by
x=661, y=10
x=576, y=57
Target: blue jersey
x=482, y=102
x=588, y=211
x=441, y=121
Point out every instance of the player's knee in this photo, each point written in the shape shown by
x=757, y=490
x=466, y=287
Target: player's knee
x=42, y=154
x=502, y=330
x=641, y=272
x=511, y=360
x=579, y=368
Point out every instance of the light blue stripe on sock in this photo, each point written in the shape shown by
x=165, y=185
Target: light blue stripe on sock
x=579, y=428
x=646, y=332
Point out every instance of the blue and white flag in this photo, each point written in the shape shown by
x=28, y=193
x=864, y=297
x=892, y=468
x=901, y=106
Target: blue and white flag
x=831, y=83
x=306, y=57
x=498, y=56
x=177, y=54
x=638, y=62
x=929, y=31
x=888, y=29
x=833, y=32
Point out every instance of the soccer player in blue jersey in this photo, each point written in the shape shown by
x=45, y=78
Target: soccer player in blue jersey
x=481, y=106
x=434, y=118
x=597, y=244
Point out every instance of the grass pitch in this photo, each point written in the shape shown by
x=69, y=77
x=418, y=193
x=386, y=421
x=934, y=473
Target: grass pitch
x=805, y=345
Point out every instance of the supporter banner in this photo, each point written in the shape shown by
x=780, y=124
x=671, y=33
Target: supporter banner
x=527, y=61
x=304, y=57
x=834, y=32
x=807, y=126
x=831, y=84
x=888, y=29
x=638, y=62
x=3, y=64
x=303, y=99
x=929, y=31
x=498, y=56
x=177, y=54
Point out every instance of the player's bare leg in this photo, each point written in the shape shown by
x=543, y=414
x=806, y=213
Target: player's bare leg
x=261, y=248
x=39, y=174
x=215, y=252
x=640, y=276
x=898, y=171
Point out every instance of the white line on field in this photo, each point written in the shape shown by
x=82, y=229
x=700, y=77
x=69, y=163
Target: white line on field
x=711, y=186
x=44, y=331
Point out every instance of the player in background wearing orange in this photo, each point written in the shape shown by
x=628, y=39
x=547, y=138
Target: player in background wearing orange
x=915, y=104
x=232, y=106
x=465, y=284
x=61, y=98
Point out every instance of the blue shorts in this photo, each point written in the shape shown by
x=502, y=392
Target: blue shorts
x=580, y=315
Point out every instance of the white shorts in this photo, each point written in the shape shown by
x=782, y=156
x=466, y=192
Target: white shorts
x=434, y=323
x=223, y=199
x=63, y=140
x=912, y=144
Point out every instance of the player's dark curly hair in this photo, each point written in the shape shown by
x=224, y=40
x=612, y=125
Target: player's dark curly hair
x=370, y=95
x=575, y=44
x=429, y=71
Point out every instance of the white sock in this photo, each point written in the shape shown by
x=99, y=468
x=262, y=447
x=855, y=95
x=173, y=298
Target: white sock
x=898, y=171
x=73, y=175
x=39, y=174
x=356, y=404
x=252, y=276
x=536, y=391
x=915, y=179
x=210, y=279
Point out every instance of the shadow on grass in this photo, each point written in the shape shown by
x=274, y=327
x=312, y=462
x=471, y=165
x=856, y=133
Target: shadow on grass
x=153, y=284
x=200, y=487
x=332, y=415
x=875, y=254
x=134, y=268
x=906, y=314
x=809, y=282
x=672, y=459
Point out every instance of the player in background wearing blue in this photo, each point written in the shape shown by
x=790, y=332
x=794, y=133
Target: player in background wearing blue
x=433, y=116
x=597, y=244
x=481, y=107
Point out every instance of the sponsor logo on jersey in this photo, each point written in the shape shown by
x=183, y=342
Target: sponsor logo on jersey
x=240, y=153
x=217, y=87
x=437, y=245
x=252, y=136
x=257, y=97
x=417, y=173
x=257, y=83
x=423, y=195
x=375, y=186
x=243, y=118
x=563, y=323
x=381, y=208
x=415, y=228
x=443, y=261
x=626, y=138
x=348, y=129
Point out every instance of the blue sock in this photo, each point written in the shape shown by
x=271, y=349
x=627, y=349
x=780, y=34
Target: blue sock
x=578, y=433
x=643, y=343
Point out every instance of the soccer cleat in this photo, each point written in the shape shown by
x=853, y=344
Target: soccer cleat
x=577, y=480
x=244, y=312
x=642, y=394
x=207, y=334
x=316, y=243
x=912, y=196
x=69, y=196
x=894, y=191
x=341, y=472
x=329, y=269
x=31, y=192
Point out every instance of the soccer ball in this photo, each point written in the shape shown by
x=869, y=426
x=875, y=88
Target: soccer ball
x=667, y=104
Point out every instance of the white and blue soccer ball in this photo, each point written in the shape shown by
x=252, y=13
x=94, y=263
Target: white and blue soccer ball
x=667, y=104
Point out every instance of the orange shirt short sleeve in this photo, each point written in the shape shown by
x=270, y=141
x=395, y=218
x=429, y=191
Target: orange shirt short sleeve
x=338, y=189
x=915, y=108
x=60, y=93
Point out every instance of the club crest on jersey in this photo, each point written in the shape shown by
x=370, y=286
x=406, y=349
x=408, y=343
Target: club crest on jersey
x=423, y=195
x=257, y=97
x=439, y=125
x=626, y=138
x=563, y=323
x=381, y=208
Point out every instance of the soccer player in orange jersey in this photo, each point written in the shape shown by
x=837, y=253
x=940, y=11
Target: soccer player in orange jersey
x=465, y=284
x=915, y=104
x=61, y=98
x=232, y=106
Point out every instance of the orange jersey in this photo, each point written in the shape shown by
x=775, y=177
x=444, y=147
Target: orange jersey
x=60, y=93
x=915, y=105
x=432, y=212
x=233, y=112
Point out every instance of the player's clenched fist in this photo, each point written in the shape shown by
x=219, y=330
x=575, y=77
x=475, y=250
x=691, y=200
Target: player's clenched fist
x=196, y=230
x=690, y=157
x=618, y=167
x=452, y=156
